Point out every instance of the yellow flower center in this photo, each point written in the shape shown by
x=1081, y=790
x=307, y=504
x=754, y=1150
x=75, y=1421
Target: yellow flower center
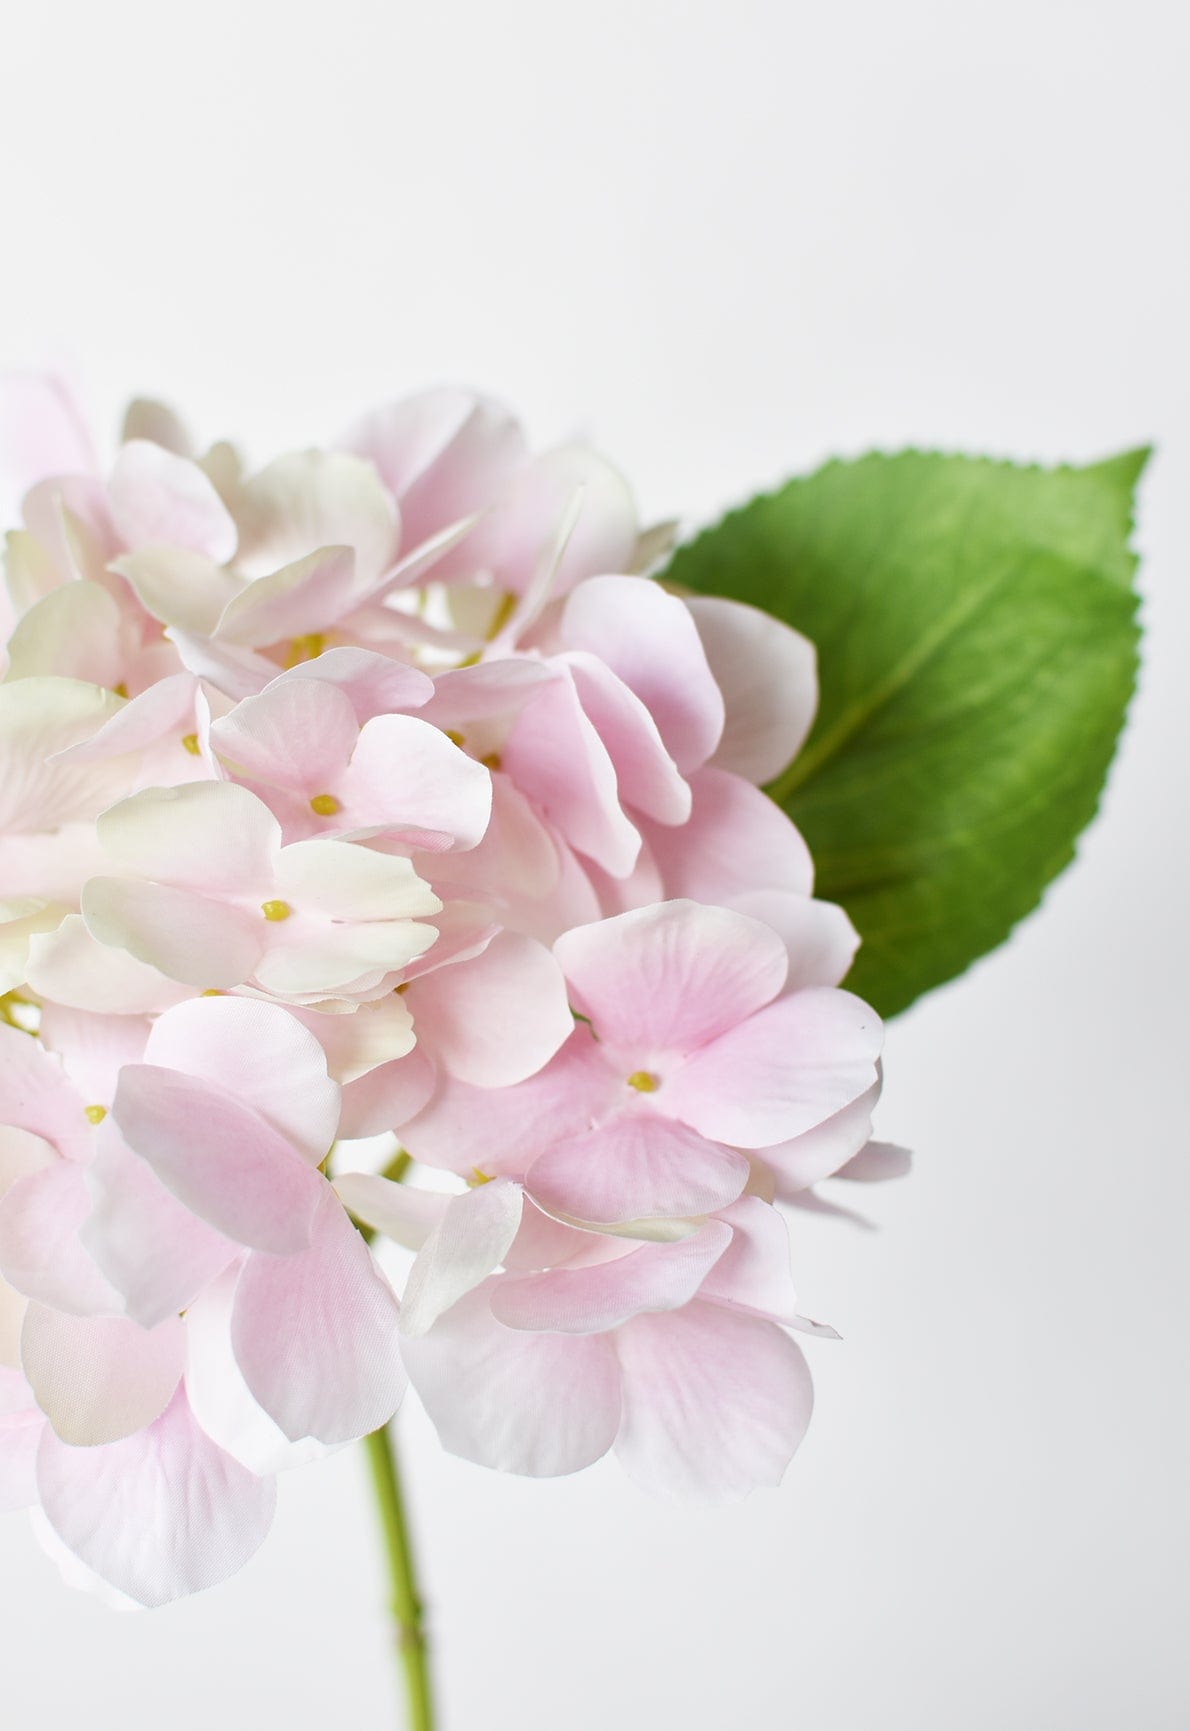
x=306, y=648
x=190, y=742
x=276, y=910
x=95, y=1113
x=324, y=804
x=644, y=1081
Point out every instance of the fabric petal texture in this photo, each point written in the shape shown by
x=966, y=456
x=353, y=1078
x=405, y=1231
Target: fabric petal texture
x=715, y=1404
x=315, y=1334
x=159, y=1514
x=539, y=1404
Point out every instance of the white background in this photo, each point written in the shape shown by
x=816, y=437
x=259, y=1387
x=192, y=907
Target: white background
x=725, y=240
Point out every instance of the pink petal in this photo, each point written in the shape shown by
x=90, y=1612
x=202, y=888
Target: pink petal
x=39, y=1096
x=649, y=640
x=819, y=936
x=647, y=778
x=467, y=1243
x=555, y=756
x=780, y=1073
x=509, y=541
x=294, y=601
x=21, y=1152
x=754, y=1272
x=218, y=1157
x=543, y=1242
x=516, y=868
x=219, y=1397
x=387, y=1097
x=100, y=1378
x=42, y=433
x=490, y=689
x=315, y=1334
x=296, y=734
x=157, y=1255
x=263, y=1056
x=158, y=1515
x=41, y=1253
x=237, y=673
x=374, y=684
x=443, y=454
x=92, y=1047
x=68, y=517
x=715, y=1403
x=820, y=1152
x=502, y=1130
x=768, y=676
x=13, y=1305
x=406, y=775
x=592, y=1300
x=408, y=628
x=736, y=843
x=164, y=707
x=159, y=500
x=465, y=929
x=15, y=1394
x=540, y=1404
x=498, y=1018
x=636, y=1167
x=670, y=977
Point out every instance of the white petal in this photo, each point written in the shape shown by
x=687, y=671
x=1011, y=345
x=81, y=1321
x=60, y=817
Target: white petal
x=470, y=1240
x=211, y=836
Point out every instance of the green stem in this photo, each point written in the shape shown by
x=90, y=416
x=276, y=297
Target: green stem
x=406, y=1604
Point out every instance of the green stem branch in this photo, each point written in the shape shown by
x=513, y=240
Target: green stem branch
x=406, y=1605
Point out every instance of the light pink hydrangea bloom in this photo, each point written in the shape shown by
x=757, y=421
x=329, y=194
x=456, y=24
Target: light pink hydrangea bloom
x=377, y=793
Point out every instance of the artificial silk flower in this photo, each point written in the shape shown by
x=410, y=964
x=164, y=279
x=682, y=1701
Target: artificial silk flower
x=376, y=793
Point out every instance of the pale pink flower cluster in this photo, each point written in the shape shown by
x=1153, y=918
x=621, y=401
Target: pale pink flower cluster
x=375, y=794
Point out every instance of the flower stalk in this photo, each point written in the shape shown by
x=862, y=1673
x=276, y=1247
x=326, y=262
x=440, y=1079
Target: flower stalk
x=406, y=1604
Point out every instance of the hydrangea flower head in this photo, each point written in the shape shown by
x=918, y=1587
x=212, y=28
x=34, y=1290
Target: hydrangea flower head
x=376, y=805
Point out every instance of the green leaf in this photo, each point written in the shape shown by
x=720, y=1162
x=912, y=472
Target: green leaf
x=976, y=637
